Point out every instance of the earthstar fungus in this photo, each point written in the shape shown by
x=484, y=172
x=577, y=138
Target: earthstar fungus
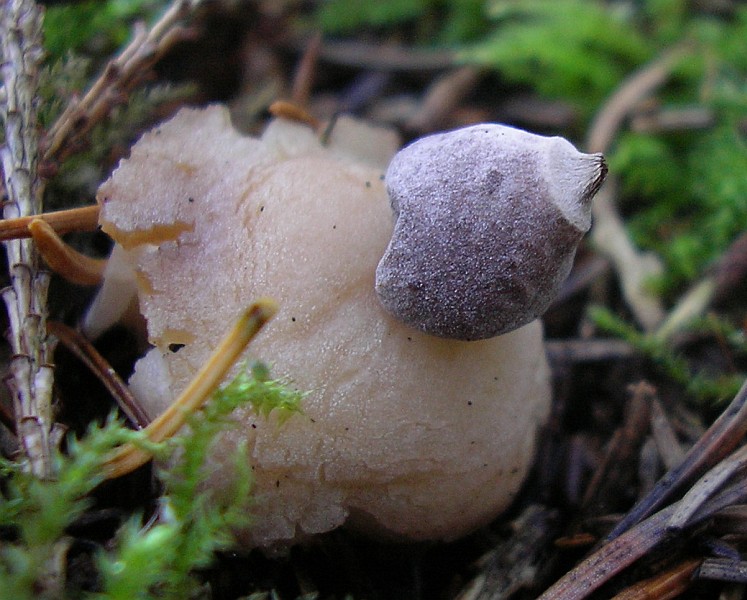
x=403, y=434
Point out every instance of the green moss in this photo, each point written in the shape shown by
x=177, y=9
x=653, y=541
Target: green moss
x=702, y=386
x=93, y=25
x=564, y=49
x=443, y=22
x=157, y=560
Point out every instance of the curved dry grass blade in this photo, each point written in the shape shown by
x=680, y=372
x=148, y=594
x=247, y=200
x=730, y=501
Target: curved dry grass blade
x=62, y=221
x=129, y=457
x=706, y=487
x=717, y=442
x=79, y=345
x=64, y=260
x=634, y=268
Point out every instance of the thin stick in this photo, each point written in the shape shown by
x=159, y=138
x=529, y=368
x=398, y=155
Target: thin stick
x=61, y=221
x=623, y=551
x=64, y=260
x=122, y=75
x=633, y=90
x=669, y=584
x=706, y=487
x=129, y=457
x=303, y=79
x=79, y=345
x=293, y=112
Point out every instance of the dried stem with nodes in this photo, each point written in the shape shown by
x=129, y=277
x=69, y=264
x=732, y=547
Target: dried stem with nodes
x=31, y=374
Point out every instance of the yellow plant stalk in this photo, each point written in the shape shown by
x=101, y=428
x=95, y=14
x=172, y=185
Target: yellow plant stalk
x=129, y=457
x=63, y=259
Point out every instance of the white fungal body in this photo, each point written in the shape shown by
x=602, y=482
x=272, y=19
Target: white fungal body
x=403, y=433
x=488, y=220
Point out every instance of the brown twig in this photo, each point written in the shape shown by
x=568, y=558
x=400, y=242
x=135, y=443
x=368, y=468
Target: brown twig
x=442, y=97
x=723, y=569
x=623, y=446
x=79, y=345
x=670, y=584
x=511, y=566
x=706, y=487
x=609, y=234
x=293, y=112
x=623, y=551
x=721, y=279
x=303, y=79
x=673, y=119
x=628, y=95
x=717, y=442
x=591, y=350
x=642, y=529
x=669, y=448
x=377, y=57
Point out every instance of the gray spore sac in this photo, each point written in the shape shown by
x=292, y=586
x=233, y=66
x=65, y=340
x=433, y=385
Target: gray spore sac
x=488, y=219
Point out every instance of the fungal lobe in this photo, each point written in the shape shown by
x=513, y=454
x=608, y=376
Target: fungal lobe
x=488, y=219
x=383, y=445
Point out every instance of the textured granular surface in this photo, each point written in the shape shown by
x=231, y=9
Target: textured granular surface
x=488, y=220
x=402, y=433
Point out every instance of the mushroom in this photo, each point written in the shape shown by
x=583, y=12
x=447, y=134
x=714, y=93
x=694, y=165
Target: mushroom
x=403, y=434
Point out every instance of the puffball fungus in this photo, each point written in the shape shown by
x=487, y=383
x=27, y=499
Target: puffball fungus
x=402, y=434
x=488, y=221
